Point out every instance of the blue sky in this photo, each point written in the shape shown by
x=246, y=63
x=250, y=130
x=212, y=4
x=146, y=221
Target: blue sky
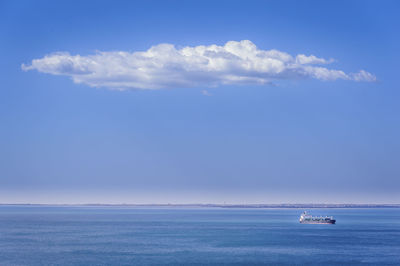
x=301, y=139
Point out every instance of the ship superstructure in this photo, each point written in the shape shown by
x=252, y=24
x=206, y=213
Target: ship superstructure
x=306, y=218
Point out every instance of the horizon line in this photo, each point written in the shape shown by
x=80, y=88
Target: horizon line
x=218, y=205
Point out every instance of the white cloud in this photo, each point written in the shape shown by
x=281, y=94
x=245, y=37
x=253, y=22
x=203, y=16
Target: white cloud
x=165, y=66
x=363, y=76
x=312, y=59
x=206, y=93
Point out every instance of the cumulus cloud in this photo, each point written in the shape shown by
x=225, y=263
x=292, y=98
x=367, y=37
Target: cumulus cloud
x=166, y=66
x=312, y=59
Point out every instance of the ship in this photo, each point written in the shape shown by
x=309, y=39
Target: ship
x=306, y=218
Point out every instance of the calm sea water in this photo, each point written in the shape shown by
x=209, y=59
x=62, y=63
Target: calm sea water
x=137, y=236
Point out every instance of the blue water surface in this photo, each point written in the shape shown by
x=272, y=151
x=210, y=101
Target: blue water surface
x=54, y=235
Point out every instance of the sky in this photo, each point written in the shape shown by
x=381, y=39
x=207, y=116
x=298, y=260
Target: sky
x=199, y=102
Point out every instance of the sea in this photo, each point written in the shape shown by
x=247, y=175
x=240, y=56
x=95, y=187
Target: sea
x=111, y=235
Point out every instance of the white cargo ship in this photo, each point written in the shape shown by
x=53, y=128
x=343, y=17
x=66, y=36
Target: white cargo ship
x=306, y=218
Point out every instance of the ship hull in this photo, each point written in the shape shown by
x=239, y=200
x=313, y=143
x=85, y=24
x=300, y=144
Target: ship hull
x=318, y=222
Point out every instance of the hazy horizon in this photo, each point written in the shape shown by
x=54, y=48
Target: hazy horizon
x=102, y=197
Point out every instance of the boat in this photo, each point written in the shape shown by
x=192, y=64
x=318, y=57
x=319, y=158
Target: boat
x=306, y=218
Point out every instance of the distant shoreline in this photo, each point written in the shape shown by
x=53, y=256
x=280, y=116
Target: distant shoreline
x=241, y=206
